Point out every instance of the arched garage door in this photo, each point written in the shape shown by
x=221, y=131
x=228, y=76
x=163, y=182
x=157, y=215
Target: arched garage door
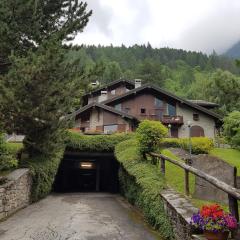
x=197, y=131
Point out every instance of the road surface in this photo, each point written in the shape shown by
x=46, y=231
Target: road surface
x=77, y=216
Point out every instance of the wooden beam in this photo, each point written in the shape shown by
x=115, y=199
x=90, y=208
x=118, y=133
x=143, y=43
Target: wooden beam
x=234, y=192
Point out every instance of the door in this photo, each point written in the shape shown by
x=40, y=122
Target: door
x=197, y=131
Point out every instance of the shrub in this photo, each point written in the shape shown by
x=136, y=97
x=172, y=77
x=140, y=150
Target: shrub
x=91, y=143
x=141, y=183
x=149, y=135
x=7, y=159
x=43, y=170
x=232, y=128
x=199, y=144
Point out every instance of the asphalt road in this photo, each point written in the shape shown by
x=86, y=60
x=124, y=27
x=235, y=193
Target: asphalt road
x=77, y=216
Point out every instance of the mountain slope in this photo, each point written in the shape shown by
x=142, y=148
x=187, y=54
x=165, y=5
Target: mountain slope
x=234, y=51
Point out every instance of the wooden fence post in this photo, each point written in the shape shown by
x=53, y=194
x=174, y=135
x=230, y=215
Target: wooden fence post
x=233, y=206
x=187, y=192
x=233, y=202
x=163, y=169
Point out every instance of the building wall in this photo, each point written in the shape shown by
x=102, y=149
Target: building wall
x=112, y=119
x=99, y=118
x=96, y=119
x=205, y=121
x=146, y=101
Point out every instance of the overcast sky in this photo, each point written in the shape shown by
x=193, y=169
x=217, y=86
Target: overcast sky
x=201, y=25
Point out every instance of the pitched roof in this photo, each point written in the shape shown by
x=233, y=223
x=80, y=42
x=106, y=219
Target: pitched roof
x=204, y=103
x=168, y=94
x=105, y=107
x=111, y=84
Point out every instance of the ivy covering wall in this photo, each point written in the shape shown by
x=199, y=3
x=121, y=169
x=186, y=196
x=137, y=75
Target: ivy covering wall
x=95, y=143
x=141, y=183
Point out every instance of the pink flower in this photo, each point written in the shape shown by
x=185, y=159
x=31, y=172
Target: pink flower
x=231, y=221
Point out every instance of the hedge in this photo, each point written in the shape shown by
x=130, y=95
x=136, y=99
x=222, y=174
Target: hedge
x=199, y=144
x=8, y=159
x=141, y=183
x=95, y=143
x=43, y=170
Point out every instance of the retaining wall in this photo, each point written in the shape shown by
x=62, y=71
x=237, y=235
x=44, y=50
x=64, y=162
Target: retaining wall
x=15, y=192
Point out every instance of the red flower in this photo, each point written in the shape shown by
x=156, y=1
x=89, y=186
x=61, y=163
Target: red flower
x=214, y=211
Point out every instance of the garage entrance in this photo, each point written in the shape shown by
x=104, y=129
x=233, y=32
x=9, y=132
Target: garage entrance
x=87, y=172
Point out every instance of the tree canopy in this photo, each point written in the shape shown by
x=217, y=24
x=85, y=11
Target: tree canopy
x=25, y=24
x=40, y=85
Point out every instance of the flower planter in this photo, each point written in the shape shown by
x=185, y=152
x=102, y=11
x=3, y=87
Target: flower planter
x=216, y=235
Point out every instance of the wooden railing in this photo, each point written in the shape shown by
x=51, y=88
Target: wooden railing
x=233, y=192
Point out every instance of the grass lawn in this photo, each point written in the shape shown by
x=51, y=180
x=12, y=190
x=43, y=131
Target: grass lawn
x=231, y=156
x=175, y=174
x=175, y=179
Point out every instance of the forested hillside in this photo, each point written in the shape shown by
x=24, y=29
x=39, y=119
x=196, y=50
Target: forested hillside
x=191, y=75
x=234, y=51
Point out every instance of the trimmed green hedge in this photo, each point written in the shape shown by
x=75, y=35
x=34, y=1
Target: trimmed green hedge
x=199, y=144
x=141, y=183
x=95, y=143
x=8, y=159
x=43, y=170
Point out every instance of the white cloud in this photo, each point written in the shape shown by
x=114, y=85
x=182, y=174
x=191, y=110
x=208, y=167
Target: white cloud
x=201, y=25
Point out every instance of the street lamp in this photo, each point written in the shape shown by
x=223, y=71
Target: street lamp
x=189, y=124
x=169, y=129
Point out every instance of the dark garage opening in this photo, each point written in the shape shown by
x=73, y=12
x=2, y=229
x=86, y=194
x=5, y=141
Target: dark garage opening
x=87, y=172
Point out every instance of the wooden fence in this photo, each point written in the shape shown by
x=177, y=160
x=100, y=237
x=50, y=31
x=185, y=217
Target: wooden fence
x=232, y=191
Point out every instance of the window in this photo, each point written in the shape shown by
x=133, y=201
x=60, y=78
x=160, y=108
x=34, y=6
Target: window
x=171, y=110
x=110, y=128
x=158, y=103
x=127, y=110
x=196, y=117
x=143, y=110
x=113, y=92
x=118, y=107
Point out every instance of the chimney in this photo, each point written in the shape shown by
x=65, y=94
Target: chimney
x=94, y=84
x=103, y=96
x=138, y=83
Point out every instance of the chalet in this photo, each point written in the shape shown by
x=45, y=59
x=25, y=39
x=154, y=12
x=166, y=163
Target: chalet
x=122, y=104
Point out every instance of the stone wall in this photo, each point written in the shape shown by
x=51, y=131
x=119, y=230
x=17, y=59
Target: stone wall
x=180, y=210
x=216, y=168
x=15, y=192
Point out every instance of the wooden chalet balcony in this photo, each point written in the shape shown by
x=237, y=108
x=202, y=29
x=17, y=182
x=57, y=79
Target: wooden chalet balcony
x=166, y=119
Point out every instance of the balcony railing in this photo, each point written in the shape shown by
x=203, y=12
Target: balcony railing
x=166, y=119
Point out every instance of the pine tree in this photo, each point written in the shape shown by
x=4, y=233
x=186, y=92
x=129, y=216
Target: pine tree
x=39, y=92
x=25, y=24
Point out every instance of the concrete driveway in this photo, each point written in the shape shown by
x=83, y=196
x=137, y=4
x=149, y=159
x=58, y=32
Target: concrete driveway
x=77, y=216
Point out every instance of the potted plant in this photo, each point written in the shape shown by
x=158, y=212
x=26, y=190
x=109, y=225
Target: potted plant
x=214, y=222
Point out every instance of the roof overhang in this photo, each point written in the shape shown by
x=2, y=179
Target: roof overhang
x=104, y=107
x=157, y=90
